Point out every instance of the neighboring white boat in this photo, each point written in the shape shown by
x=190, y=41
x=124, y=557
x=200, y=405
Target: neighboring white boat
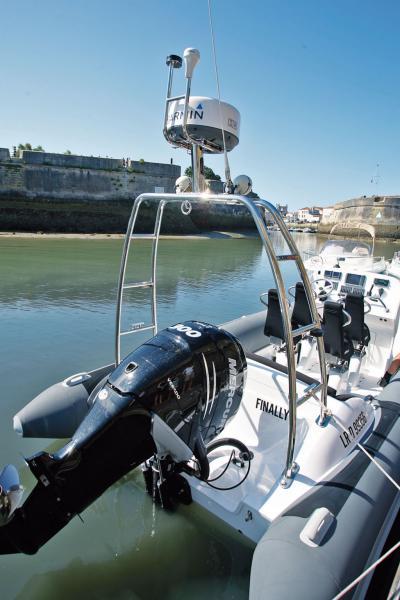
x=347, y=254
x=393, y=267
x=237, y=417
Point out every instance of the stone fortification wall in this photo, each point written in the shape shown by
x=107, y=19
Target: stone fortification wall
x=214, y=216
x=57, y=192
x=40, y=191
x=383, y=212
x=33, y=157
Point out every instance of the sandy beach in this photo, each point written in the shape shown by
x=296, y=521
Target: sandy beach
x=116, y=236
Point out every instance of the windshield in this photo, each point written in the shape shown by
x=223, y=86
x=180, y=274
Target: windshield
x=346, y=247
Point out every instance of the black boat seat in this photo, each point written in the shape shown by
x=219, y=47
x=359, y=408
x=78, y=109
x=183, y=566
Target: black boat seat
x=301, y=314
x=336, y=340
x=274, y=322
x=357, y=331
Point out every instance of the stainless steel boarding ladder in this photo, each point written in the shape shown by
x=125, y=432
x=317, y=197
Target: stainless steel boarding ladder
x=132, y=285
x=258, y=209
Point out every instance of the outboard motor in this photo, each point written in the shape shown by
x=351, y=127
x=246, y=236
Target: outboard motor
x=167, y=400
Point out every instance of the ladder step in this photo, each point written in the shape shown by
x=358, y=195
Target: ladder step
x=143, y=236
x=138, y=284
x=137, y=329
x=304, y=329
x=287, y=257
x=309, y=391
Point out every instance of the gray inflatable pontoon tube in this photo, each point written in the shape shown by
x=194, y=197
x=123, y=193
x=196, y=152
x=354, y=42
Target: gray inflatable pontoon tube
x=364, y=505
x=59, y=410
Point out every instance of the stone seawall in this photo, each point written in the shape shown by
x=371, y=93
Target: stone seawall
x=51, y=193
x=383, y=212
x=54, y=192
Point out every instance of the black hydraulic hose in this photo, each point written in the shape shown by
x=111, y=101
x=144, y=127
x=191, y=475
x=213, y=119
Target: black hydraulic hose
x=229, y=442
x=244, y=454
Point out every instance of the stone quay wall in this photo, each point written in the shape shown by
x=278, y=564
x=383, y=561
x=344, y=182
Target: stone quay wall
x=383, y=212
x=40, y=191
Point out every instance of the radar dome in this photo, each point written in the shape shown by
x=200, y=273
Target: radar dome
x=205, y=120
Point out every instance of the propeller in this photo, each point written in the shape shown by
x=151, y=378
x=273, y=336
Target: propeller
x=11, y=492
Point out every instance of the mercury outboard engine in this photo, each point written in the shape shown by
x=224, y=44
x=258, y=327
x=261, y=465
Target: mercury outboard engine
x=167, y=400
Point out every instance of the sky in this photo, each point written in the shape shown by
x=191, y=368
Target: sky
x=316, y=82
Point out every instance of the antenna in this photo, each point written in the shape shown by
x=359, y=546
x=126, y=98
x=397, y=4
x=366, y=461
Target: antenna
x=173, y=61
x=375, y=179
x=191, y=56
x=229, y=184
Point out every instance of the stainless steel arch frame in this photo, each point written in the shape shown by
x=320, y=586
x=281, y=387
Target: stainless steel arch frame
x=257, y=208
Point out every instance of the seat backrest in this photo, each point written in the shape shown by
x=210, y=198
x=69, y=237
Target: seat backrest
x=336, y=340
x=354, y=305
x=273, y=322
x=301, y=314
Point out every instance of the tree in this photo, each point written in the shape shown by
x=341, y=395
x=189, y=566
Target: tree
x=28, y=146
x=68, y=152
x=208, y=173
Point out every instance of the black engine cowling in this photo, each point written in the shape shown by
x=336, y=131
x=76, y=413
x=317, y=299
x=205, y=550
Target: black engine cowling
x=189, y=377
x=186, y=369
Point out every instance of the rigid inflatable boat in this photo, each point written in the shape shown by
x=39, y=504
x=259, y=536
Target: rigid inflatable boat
x=237, y=417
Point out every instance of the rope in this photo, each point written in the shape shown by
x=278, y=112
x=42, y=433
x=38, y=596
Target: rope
x=367, y=571
x=393, y=548
x=371, y=458
x=227, y=168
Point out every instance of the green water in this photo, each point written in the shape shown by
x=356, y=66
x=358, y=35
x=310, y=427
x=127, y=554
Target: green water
x=57, y=300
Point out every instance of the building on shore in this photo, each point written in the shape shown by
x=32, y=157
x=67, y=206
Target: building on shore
x=291, y=216
x=283, y=209
x=309, y=214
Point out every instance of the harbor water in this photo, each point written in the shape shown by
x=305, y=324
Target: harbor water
x=57, y=318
